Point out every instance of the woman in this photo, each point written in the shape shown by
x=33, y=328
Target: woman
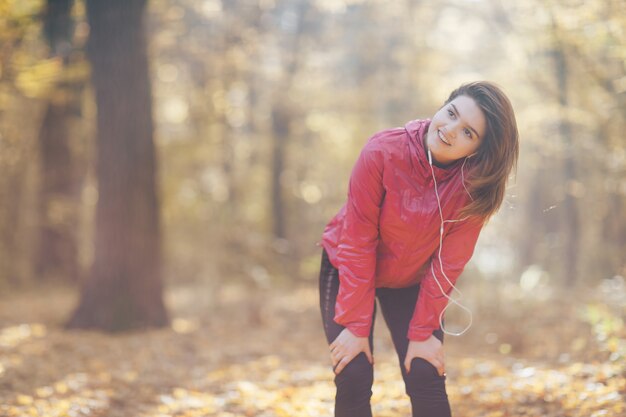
x=418, y=197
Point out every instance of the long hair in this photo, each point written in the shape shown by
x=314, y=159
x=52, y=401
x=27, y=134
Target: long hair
x=497, y=155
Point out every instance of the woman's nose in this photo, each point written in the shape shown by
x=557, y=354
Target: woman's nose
x=453, y=129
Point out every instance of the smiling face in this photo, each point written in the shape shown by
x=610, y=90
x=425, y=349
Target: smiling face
x=456, y=130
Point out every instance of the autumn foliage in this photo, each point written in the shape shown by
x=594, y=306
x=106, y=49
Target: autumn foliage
x=558, y=357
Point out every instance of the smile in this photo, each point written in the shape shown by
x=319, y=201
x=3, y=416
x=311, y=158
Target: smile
x=443, y=138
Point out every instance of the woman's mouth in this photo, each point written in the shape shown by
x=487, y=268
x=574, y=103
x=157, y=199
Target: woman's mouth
x=443, y=138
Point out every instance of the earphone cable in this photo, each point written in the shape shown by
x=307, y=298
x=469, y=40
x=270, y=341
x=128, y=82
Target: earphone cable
x=439, y=254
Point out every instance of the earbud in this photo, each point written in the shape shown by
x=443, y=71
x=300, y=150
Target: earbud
x=430, y=158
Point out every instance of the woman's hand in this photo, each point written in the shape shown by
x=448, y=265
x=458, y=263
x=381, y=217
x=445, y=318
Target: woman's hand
x=430, y=349
x=345, y=347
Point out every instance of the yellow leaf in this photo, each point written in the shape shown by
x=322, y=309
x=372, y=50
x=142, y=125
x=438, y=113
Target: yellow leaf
x=180, y=393
x=60, y=387
x=44, y=392
x=24, y=399
x=37, y=80
x=505, y=348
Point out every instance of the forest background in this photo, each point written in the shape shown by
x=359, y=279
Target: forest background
x=170, y=165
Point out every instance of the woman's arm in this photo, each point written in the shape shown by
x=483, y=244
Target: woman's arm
x=356, y=253
x=456, y=250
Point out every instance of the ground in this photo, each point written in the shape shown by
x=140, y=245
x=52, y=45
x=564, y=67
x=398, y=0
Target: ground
x=263, y=353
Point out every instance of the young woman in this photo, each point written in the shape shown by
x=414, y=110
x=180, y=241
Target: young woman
x=418, y=197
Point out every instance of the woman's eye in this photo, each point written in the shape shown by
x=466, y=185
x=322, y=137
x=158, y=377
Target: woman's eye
x=468, y=133
x=450, y=113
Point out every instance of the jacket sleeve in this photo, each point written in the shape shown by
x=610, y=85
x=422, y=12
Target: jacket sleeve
x=356, y=252
x=456, y=250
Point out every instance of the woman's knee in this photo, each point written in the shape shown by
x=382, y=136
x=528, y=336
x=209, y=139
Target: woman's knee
x=357, y=376
x=423, y=374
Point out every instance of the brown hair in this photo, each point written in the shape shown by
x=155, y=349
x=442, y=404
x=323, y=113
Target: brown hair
x=498, y=152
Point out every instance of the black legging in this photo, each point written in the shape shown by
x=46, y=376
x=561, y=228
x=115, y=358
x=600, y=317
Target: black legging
x=423, y=384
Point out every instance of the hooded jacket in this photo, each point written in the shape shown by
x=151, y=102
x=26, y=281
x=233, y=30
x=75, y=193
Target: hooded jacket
x=387, y=234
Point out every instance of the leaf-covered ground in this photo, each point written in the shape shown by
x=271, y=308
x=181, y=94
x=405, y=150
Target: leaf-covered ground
x=265, y=355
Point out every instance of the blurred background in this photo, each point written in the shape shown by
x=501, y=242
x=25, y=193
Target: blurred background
x=261, y=107
x=192, y=151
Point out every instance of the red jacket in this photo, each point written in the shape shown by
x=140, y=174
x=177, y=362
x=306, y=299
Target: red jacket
x=387, y=233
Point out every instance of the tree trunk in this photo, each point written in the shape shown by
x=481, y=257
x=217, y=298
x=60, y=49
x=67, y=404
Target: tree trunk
x=614, y=237
x=124, y=289
x=569, y=232
x=280, y=129
x=282, y=116
x=56, y=256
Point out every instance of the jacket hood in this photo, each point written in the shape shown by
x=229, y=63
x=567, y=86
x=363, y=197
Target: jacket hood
x=416, y=130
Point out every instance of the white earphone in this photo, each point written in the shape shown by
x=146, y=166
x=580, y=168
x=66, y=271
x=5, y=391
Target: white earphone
x=430, y=161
